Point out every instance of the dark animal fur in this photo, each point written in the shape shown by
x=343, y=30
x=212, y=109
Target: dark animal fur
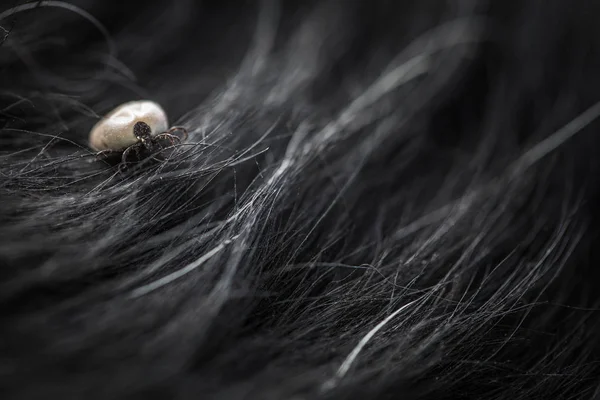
x=377, y=200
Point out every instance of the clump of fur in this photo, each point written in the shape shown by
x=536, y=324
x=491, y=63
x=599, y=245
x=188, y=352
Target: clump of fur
x=389, y=200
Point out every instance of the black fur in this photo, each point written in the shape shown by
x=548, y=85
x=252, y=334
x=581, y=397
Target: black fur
x=377, y=200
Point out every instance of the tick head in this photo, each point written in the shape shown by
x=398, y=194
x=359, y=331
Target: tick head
x=142, y=132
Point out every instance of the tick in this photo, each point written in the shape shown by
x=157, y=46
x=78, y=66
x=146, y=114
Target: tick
x=134, y=126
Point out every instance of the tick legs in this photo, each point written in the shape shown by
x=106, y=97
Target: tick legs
x=149, y=146
x=172, y=138
x=171, y=132
x=103, y=154
x=136, y=148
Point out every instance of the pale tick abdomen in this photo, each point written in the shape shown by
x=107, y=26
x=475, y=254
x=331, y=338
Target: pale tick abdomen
x=115, y=130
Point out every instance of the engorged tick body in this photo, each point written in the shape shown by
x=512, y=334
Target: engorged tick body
x=133, y=126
